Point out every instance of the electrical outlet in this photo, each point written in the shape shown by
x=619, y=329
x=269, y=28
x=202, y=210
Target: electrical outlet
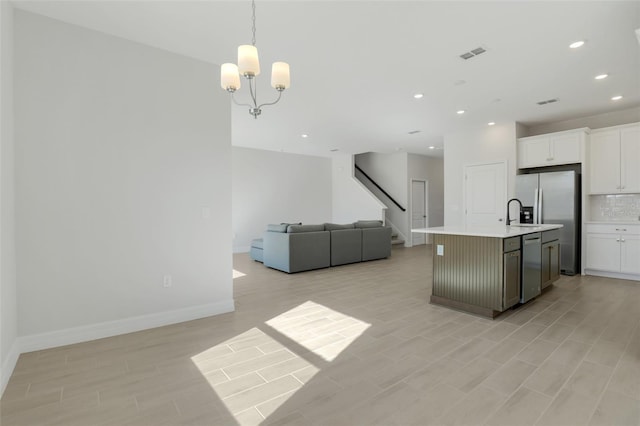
x=440, y=250
x=167, y=281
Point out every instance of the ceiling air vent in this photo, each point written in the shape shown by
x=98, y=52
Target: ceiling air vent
x=548, y=101
x=473, y=53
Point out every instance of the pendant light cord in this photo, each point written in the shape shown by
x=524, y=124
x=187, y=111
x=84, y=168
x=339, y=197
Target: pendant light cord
x=253, y=28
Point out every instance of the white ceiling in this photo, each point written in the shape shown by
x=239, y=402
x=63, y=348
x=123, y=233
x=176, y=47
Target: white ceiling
x=355, y=65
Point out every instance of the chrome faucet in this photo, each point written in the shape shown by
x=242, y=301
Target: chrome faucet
x=508, y=203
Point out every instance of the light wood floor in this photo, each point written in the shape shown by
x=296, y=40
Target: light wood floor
x=352, y=345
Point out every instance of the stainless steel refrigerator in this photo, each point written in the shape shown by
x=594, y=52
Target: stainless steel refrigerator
x=554, y=197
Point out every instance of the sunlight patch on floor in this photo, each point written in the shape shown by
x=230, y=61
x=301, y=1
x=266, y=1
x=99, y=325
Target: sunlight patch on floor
x=257, y=371
x=318, y=328
x=238, y=274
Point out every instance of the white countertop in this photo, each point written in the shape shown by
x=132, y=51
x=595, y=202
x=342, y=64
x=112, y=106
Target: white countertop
x=502, y=231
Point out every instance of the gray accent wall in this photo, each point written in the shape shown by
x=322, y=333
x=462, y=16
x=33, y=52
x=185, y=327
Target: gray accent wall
x=8, y=300
x=394, y=172
x=431, y=169
x=275, y=187
x=122, y=167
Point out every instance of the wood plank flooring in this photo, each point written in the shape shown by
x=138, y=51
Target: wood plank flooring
x=352, y=345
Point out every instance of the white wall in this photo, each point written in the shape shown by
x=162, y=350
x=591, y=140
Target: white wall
x=8, y=302
x=483, y=145
x=274, y=187
x=614, y=118
x=430, y=169
x=350, y=200
x=120, y=150
x=390, y=172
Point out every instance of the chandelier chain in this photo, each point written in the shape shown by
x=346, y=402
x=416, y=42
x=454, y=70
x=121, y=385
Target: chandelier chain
x=253, y=28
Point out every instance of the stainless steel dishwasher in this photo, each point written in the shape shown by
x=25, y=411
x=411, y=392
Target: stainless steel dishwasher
x=531, y=266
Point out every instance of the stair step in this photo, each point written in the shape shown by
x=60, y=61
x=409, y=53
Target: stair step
x=397, y=241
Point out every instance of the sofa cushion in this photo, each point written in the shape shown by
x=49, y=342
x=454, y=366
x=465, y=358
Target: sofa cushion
x=257, y=243
x=368, y=224
x=336, y=226
x=292, y=229
x=277, y=228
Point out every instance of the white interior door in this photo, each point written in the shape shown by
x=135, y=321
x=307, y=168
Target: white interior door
x=418, y=210
x=485, y=194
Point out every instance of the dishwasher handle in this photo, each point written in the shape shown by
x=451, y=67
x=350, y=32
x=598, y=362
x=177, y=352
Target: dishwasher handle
x=531, y=241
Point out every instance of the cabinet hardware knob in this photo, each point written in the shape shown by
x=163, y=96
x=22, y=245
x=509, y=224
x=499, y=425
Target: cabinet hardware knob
x=622, y=240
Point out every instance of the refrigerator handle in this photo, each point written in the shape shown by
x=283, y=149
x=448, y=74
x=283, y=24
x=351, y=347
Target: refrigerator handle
x=540, y=218
x=535, y=206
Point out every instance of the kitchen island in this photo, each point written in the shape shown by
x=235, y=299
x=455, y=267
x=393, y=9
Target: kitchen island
x=487, y=270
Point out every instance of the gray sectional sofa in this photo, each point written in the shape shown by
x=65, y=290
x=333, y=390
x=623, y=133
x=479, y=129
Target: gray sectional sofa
x=296, y=247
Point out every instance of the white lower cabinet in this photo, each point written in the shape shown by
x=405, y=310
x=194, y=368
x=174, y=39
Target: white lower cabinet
x=613, y=248
x=630, y=254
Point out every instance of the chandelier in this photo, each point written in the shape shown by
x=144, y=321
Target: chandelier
x=249, y=67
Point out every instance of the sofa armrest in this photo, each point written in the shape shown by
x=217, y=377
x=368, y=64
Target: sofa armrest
x=295, y=252
x=376, y=243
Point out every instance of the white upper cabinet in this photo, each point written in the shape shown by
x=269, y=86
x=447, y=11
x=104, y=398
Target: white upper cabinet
x=551, y=149
x=615, y=160
x=630, y=159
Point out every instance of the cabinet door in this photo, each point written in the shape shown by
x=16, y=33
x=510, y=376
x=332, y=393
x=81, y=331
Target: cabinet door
x=534, y=152
x=550, y=262
x=603, y=252
x=511, y=277
x=565, y=149
x=630, y=254
x=605, y=162
x=630, y=159
x=554, y=260
x=546, y=264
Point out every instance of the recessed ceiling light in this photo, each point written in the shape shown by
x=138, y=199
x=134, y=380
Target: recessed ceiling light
x=491, y=123
x=576, y=44
x=304, y=135
x=602, y=76
x=460, y=111
x=432, y=147
x=418, y=95
x=616, y=98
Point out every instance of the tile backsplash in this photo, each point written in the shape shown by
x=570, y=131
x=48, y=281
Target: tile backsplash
x=615, y=208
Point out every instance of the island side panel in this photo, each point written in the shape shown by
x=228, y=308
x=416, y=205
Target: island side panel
x=469, y=271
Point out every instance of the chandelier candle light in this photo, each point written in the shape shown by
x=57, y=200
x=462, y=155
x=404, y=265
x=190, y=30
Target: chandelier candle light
x=249, y=67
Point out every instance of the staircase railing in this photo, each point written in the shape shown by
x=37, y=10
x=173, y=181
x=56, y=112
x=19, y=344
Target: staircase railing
x=380, y=188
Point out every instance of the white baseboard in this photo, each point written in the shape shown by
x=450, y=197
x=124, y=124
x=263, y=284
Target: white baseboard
x=86, y=333
x=609, y=274
x=8, y=366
